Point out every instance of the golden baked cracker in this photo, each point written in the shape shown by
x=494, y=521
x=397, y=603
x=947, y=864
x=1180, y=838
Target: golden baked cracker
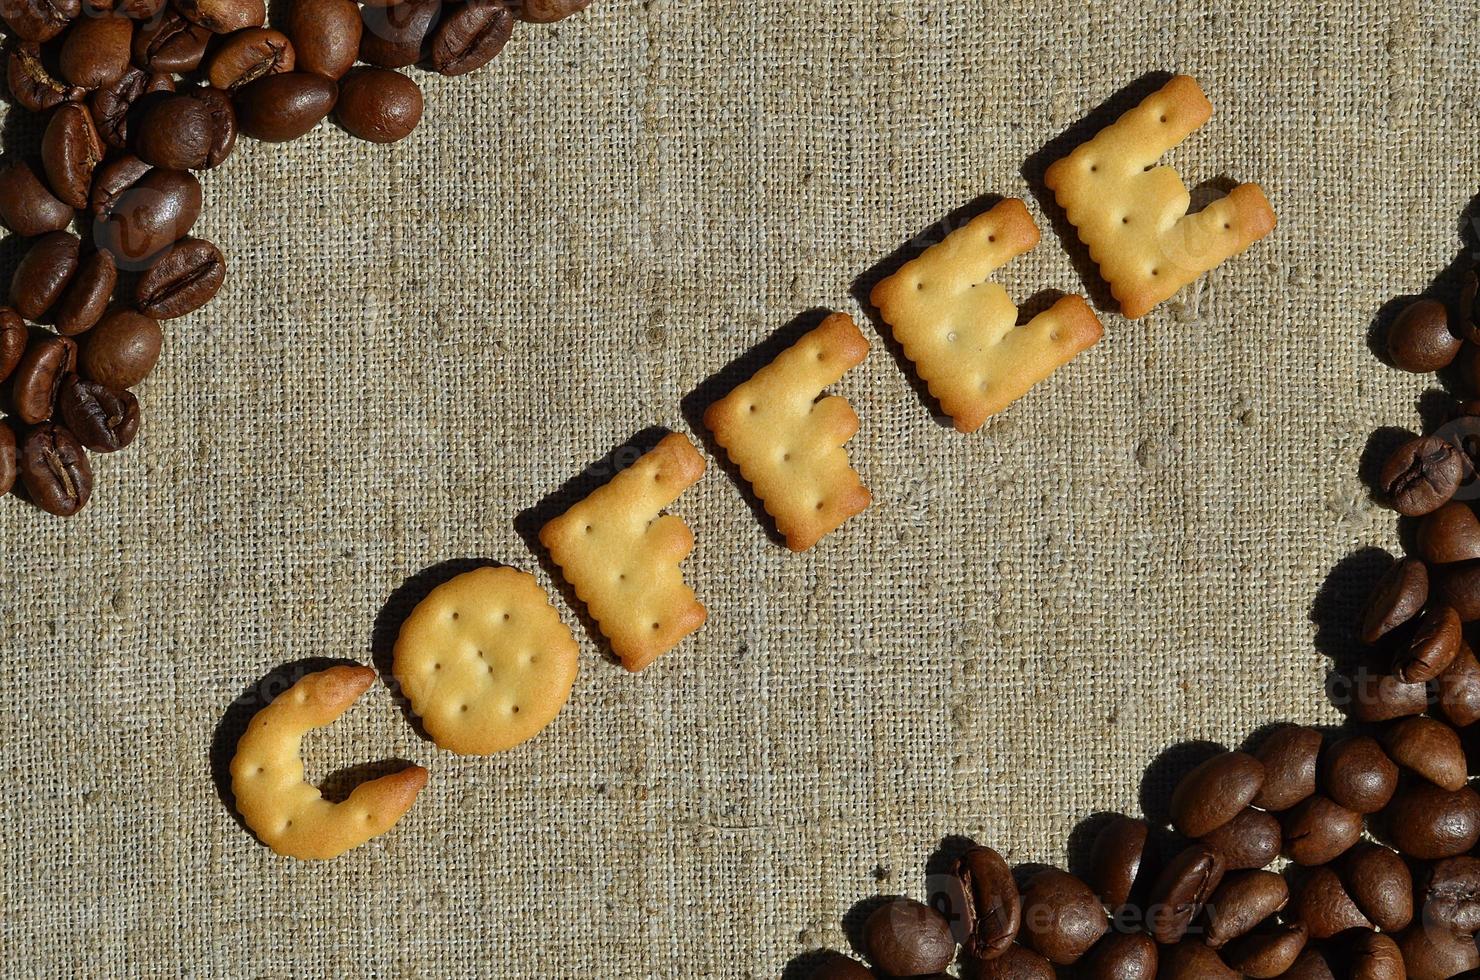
x=485, y=661
x=1133, y=214
x=960, y=329
x=622, y=557
x=290, y=815
x=788, y=442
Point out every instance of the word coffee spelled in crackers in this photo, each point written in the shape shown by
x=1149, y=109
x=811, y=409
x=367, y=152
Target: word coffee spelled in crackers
x=288, y=814
x=622, y=558
x=485, y=661
x=1133, y=214
x=788, y=442
x=960, y=329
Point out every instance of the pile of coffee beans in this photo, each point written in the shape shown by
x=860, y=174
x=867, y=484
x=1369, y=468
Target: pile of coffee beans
x=136, y=95
x=1310, y=855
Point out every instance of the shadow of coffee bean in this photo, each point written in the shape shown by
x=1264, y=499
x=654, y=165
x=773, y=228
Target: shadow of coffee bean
x=1336, y=611
x=1165, y=772
x=803, y=965
x=857, y=917
x=1081, y=843
x=1381, y=444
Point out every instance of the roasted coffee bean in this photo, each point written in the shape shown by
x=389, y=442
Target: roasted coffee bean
x=1427, y=822
x=1016, y=964
x=121, y=350
x=279, y=108
x=1458, y=694
x=1419, y=339
x=378, y=105
x=985, y=902
x=395, y=37
x=907, y=939
x=1430, y=748
x=1242, y=901
x=1436, y=954
x=224, y=16
x=1250, y=840
x=40, y=20
x=1449, y=895
x=1373, y=956
x=1311, y=964
x=96, y=50
x=1366, y=691
x=87, y=295
x=1268, y=951
x=43, y=273
x=1421, y=475
x=1323, y=905
x=1289, y=755
x=836, y=966
x=1061, y=917
x=54, y=470
x=70, y=150
x=1459, y=586
x=1358, y=775
x=1432, y=647
x=1379, y=882
x=1216, y=792
x=38, y=378
x=8, y=452
x=1449, y=534
x=27, y=206
x=182, y=279
x=548, y=11
x=1399, y=596
x=1120, y=956
x=1116, y=860
x=140, y=9
x=112, y=104
x=249, y=55
x=1317, y=830
x=1191, y=960
x=470, y=35
x=1181, y=890
x=192, y=130
x=13, y=340
x=155, y=212
x=325, y=35
x=170, y=44
x=32, y=83
x=103, y=419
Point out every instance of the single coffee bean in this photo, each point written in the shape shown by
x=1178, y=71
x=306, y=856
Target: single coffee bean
x=54, y=470
x=1430, y=748
x=1368, y=693
x=103, y=419
x=96, y=50
x=1449, y=534
x=1061, y=917
x=1449, y=895
x=43, y=273
x=224, y=16
x=1426, y=822
x=8, y=454
x=548, y=11
x=121, y=350
x=1323, y=906
x=151, y=215
x=249, y=55
x=1181, y=890
x=1380, y=884
x=70, y=149
x=1373, y=956
x=87, y=295
x=1116, y=860
x=1216, y=792
x=112, y=104
x=1250, y=840
x=192, y=130
x=1436, y=954
x=1268, y=951
x=1432, y=647
x=40, y=20
x=1359, y=775
x=1121, y=956
x=982, y=899
x=1241, y=902
x=1191, y=960
x=378, y=105
x=1318, y=831
x=1289, y=755
x=13, y=340
x=170, y=43
x=32, y=84
x=325, y=35
x=1311, y=964
x=906, y=938
x=1016, y=964
x=283, y=107
x=1421, y=475
x=27, y=206
x=1419, y=339
x=1459, y=586
x=470, y=35
x=1459, y=689
x=38, y=378
x=1399, y=596
x=836, y=966
x=182, y=279
x=396, y=37
x=111, y=179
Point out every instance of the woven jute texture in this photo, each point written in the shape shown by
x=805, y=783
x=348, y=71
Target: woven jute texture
x=423, y=350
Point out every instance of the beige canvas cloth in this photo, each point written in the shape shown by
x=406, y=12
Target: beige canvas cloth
x=419, y=344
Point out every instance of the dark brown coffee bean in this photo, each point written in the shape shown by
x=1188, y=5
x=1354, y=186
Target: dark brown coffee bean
x=907, y=939
x=103, y=419
x=8, y=457
x=13, y=340
x=112, y=104
x=192, y=130
x=27, y=206
x=325, y=35
x=1318, y=831
x=1191, y=960
x=54, y=470
x=224, y=16
x=1358, y=774
x=1449, y=534
x=839, y=967
x=1430, y=748
x=548, y=11
x=1397, y=598
x=1311, y=964
x=983, y=898
x=1268, y=951
x=1432, y=647
x=1250, y=840
x=87, y=295
x=121, y=350
x=1216, y=792
x=38, y=378
x=111, y=179
x=1289, y=755
x=1419, y=339
x=1322, y=904
x=1373, y=956
x=1061, y=917
x=249, y=55
x=1436, y=954
x=1421, y=475
x=396, y=37
x=1449, y=894
x=96, y=50
x=43, y=273
x=1426, y=822
x=140, y=9
x=1459, y=689
x=40, y=20
x=1379, y=882
x=1458, y=586
x=70, y=150
x=378, y=105
x=1116, y=859
x=1242, y=901
x=170, y=44
x=32, y=83
x=155, y=212
x=1121, y=956
x=1016, y=964
x=1366, y=691
x=279, y=108
x=181, y=280
x=470, y=36
x=1181, y=890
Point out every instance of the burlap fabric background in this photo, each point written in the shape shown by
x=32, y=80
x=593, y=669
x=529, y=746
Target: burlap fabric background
x=419, y=344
